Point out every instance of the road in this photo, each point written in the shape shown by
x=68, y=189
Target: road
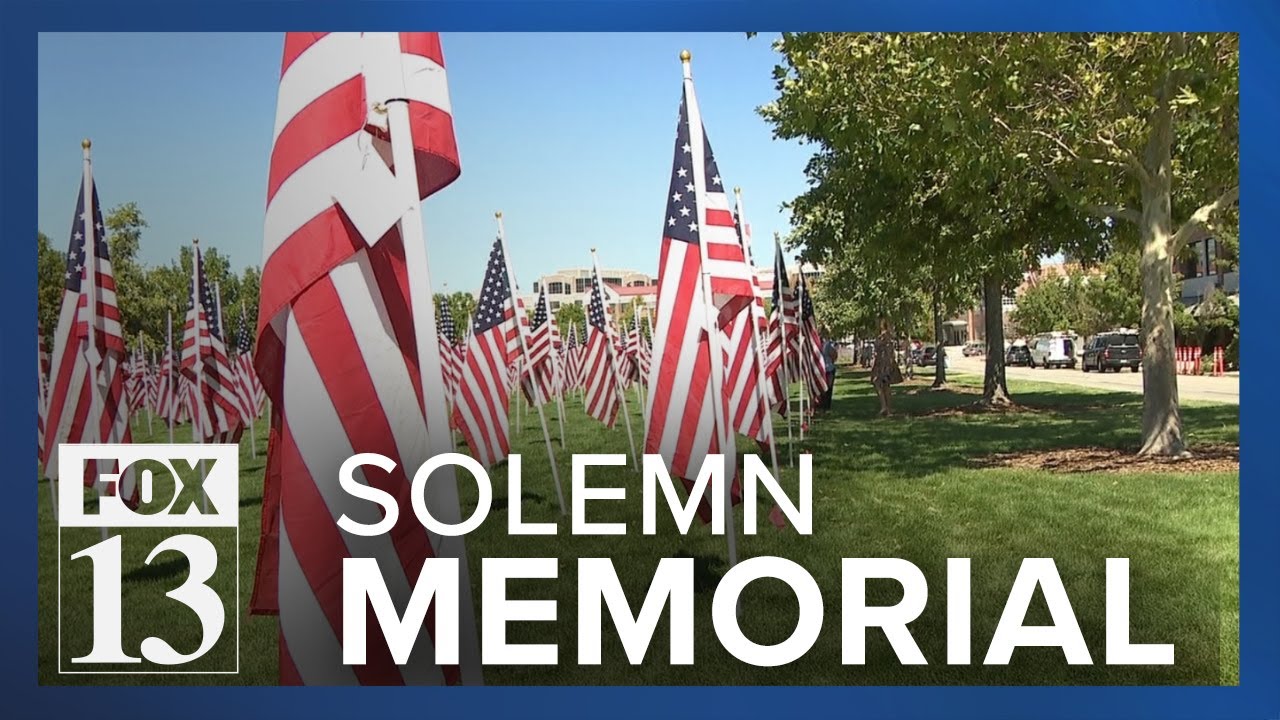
x=1224, y=389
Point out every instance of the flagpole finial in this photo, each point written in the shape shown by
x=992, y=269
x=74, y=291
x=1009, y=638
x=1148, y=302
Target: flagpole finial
x=498, y=214
x=86, y=143
x=685, y=56
x=737, y=190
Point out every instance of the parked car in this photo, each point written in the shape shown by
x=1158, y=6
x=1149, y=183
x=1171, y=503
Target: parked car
x=1053, y=350
x=1112, y=351
x=974, y=349
x=1017, y=356
x=929, y=356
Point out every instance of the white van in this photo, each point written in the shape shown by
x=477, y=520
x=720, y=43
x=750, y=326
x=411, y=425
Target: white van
x=1056, y=349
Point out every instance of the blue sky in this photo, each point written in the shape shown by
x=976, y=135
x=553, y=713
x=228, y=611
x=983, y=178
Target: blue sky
x=570, y=135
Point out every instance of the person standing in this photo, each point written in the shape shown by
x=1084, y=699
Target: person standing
x=829, y=355
x=884, y=367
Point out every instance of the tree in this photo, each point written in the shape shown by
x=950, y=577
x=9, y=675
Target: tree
x=906, y=155
x=1141, y=129
x=570, y=314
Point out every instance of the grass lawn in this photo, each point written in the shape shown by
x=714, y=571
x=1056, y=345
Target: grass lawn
x=905, y=487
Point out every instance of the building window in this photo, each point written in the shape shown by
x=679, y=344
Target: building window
x=555, y=305
x=535, y=287
x=581, y=284
x=613, y=280
x=556, y=288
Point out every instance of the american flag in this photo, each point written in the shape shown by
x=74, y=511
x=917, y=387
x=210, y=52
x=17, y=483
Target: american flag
x=42, y=381
x=88, y=345
x=748, y=410
x=484, y=391
x=637, y=350
x=572, y=360
x=153, y=383
x=599, y=361
x=783, y=331
x=681, y=418
x=136, y=379
x=450, y=361
x=336, y=347
x=167, y=398
x=814, y=366
x=247, y=385
x=219, y=415
x=542, y=349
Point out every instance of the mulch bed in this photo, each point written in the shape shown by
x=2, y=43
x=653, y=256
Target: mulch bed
x=1204, y=459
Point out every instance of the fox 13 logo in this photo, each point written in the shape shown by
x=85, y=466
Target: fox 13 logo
x=148, y=559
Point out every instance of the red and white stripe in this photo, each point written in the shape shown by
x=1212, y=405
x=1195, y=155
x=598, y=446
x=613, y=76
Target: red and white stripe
x=88, y=350
x=336, y=349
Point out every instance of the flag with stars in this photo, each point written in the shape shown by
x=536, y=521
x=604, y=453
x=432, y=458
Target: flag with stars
x=698, y=238
x=782, y=333
x=600, y=379
x=542, y=355
x=449, y=360
x=247, y=385
x=88, y=346
x=218, y=413
x=481, y=407
x=813, y=366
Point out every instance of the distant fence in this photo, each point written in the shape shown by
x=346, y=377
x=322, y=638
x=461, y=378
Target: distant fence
x=1191, y=361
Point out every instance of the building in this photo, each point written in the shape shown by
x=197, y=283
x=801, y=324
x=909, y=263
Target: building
x=621, y=287
x=573, y=285
x=1205, y=271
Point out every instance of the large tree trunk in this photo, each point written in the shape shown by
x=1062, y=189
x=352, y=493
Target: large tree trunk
x=995, y=390
x=940, y=364
x=1161, y=417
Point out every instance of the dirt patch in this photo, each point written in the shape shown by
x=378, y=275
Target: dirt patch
x=1203, y=459
x=977, y=408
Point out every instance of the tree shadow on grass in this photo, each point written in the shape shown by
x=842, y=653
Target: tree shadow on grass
x=932, y=430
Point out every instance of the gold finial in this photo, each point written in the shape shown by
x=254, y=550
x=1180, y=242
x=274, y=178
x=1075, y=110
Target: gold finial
x=498, y=214
x=380, y=108
x=736, y=189
x=86, y=143
x=195, y=241
x=593, y=250
x=685, y=56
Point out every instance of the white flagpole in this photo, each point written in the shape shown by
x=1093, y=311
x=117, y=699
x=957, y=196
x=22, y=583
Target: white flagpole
x=762, y=392
x=92, y=356
x=513, y=288
x=713, y=333
x=439, y=436
x=613, y=363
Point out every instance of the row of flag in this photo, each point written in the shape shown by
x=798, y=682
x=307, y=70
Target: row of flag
x=92, y=384
x=354, y=358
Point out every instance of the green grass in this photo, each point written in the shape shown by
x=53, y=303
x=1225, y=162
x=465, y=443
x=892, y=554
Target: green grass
x=901, y=487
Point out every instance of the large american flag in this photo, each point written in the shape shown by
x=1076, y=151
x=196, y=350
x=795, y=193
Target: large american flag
x=600, y=369
x=336, y=348
x=484, y=390
x=680, y=420
x=783, y=333
x=88, y=310
x=218, y=413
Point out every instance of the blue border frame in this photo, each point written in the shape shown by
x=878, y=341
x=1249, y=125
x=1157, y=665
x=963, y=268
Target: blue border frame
x=1257, y=696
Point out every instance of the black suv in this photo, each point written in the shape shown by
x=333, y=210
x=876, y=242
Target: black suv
x=1017, y=355
x=1112, y=351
